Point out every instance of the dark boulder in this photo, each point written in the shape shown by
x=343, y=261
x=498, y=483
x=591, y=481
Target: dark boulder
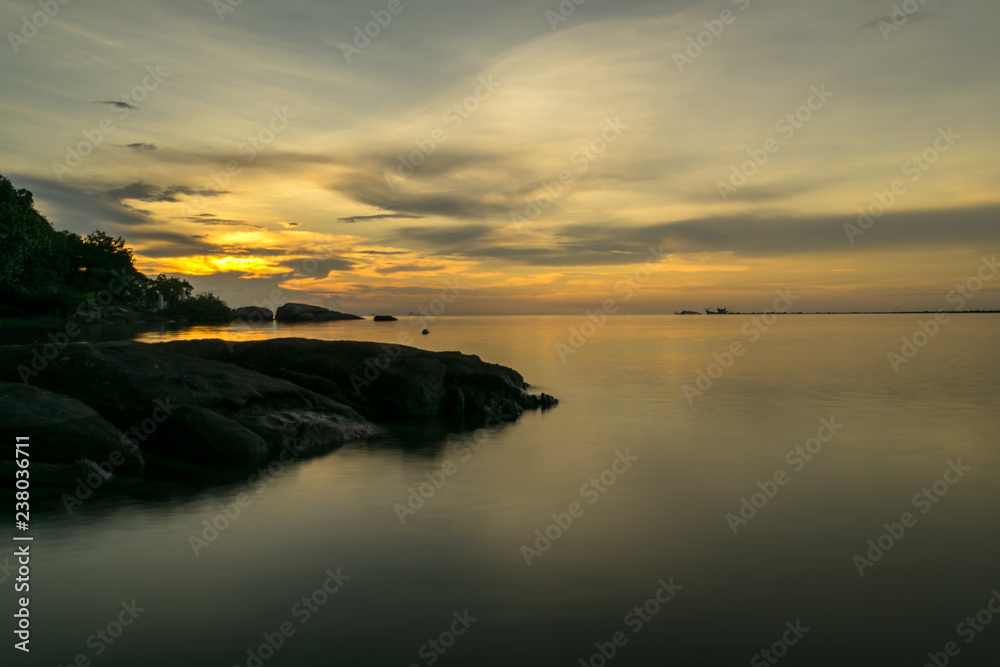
x=82, y=472
x=300, y=312
x=253, y=314
x=182, y=407
x=62, y=430
x=384, y=382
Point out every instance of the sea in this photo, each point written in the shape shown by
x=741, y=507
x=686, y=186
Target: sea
x=711, y=490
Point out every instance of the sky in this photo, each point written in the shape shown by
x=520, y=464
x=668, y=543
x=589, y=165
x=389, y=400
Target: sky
x=538, y=156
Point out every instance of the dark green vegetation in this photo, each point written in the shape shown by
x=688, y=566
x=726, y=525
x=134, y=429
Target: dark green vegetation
x=50, y=273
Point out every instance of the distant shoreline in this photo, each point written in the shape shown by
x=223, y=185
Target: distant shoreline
x=856, y=312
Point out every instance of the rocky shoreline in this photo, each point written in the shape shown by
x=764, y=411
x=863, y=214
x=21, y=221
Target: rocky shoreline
x=167, y=409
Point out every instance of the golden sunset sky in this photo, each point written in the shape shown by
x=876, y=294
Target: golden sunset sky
x=262, y=153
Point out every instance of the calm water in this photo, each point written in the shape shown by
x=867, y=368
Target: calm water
x=663, y=518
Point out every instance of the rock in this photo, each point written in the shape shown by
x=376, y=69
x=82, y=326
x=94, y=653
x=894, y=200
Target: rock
x=84, y=471
x=308, y=429
x=62, y=430
x=253, y=314
x=300, y=312
x=425, y=332
x=101, y=315
x=183, y=407
x=227, y=440
x=384, y=382
x=384, y=318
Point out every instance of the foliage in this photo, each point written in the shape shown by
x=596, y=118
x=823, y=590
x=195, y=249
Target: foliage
x=205, y=307
x=172, y=289
x=25, y=234
x=48, y=272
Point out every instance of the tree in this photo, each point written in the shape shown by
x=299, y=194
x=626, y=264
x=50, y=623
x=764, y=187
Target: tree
x=205, y=307
x=49, y=272
x=172, y=289
x=25, y=234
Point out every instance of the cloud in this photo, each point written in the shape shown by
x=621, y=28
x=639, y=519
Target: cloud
x=317, y=268
x=463, y=185
x=158, y=244
x=562, y=255
x=209, y=219
x=445, y=236
x=116, y=104
x=140, y=191
x=407, y=268
x=758, y=236
x=141, y=147
x=921, y=14
x=77, y=208
x=381, y=216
